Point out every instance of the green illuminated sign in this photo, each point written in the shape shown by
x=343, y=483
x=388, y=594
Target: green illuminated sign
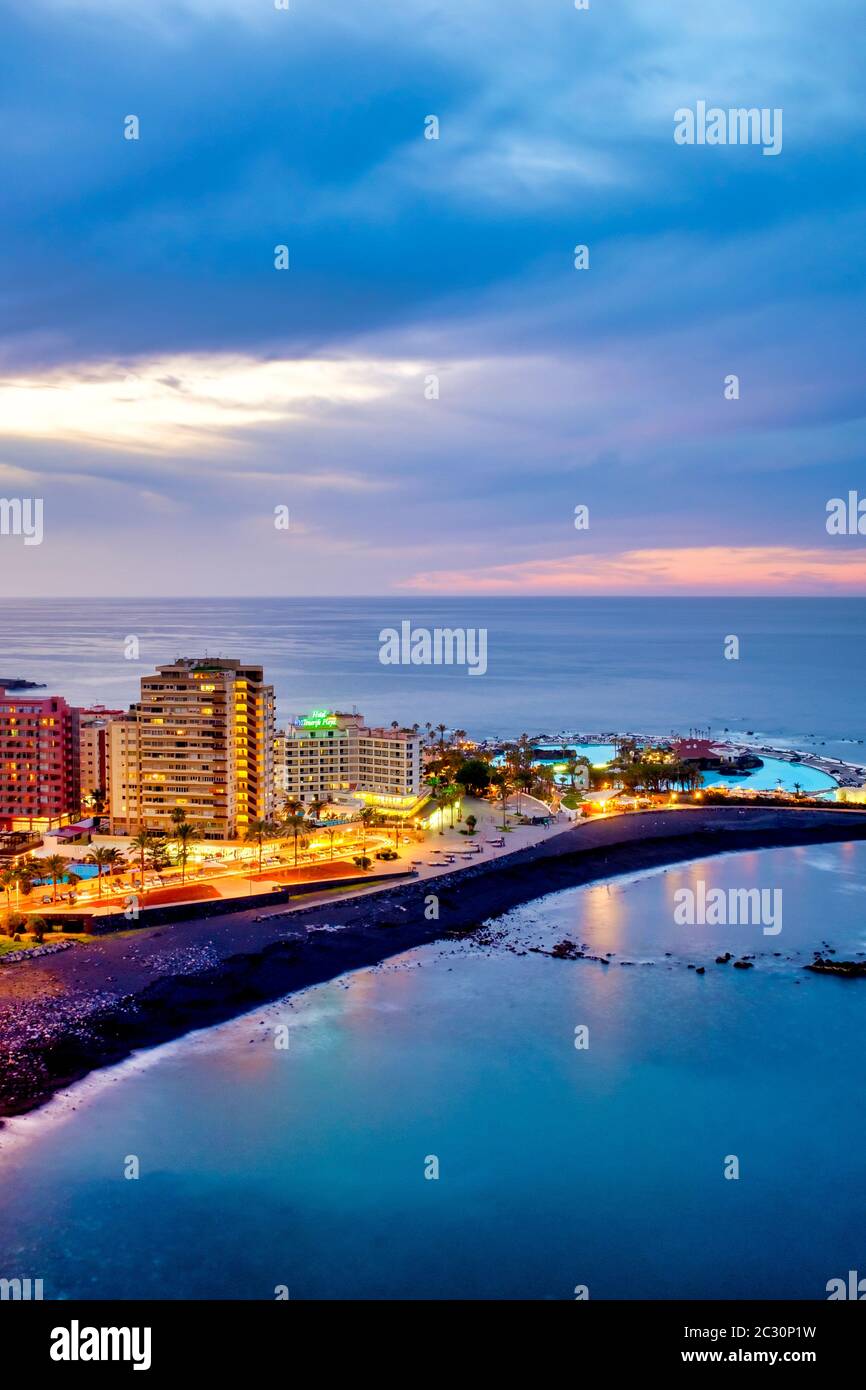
x=316, y=719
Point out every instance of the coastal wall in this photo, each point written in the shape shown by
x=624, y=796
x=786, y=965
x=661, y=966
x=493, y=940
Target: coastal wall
x=87, y=922
x=222, y=907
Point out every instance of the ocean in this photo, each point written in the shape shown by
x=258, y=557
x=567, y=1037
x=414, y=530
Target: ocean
x=588, y=665
x=307, y=1167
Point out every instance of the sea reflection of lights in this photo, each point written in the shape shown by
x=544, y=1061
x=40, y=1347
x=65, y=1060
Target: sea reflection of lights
x=603, y=916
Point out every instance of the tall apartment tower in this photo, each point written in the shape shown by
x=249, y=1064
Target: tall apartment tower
x=122, y=774
x=204, y=742
x=93, y=744
x=40, y=776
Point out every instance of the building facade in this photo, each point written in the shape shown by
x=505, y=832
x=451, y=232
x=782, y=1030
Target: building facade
x=93, y=750
x=327, y=756
x=40, y=776
x=200, y=740
x=123, y=774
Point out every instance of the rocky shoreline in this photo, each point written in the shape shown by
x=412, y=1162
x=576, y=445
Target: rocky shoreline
x=90, y=1007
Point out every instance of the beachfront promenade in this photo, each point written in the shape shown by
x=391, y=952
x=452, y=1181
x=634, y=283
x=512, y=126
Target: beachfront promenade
x=63, y=1015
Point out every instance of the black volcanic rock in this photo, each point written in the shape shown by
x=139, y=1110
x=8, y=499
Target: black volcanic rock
x=850, y=968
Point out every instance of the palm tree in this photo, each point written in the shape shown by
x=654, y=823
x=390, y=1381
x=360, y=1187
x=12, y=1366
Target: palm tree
x=293, y=825
x=24, y=873
x=330, y=831
x=115, y=861
x=8, y=881
x=142, y=843
x=292, y=806
x=366, y=817
x=502, y=782
x=157, y=858
x=442, y=730
x=315, y=808
x=545, y=780
x=184, y=834
x=258, y=832
x=55, y=866
x=103, y=858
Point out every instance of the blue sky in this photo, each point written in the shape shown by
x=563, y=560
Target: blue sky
x=163, y=388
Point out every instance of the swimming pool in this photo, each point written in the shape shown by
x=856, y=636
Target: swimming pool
x=599, y=754
x=81, y=870
x=774, y=771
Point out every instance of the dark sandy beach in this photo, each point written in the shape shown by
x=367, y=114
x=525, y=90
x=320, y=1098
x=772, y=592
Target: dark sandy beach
x=62, y=1016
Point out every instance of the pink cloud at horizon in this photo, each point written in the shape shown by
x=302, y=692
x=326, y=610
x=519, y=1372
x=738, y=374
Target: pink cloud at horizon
x=697, y=569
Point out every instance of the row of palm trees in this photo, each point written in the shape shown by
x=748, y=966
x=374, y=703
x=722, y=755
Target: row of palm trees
x=151, y=849
x=26, y=873
x=294, y=822
x=633, y=767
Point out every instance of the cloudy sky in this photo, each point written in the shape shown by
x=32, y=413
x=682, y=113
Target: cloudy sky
x=164, y=388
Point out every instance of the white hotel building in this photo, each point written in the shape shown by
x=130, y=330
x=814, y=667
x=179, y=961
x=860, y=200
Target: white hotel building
x=333, y=757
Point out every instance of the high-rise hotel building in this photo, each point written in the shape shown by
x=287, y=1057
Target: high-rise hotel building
x=201, y=739
x=123, y=774
x=40, y=776
x=327, y=756
x=93, y=747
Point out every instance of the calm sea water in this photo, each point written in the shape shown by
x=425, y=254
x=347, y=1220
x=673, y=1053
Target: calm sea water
x=649, y=665
x=557, y=1167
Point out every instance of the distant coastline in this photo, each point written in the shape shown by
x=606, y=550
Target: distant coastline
x=17, y=683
